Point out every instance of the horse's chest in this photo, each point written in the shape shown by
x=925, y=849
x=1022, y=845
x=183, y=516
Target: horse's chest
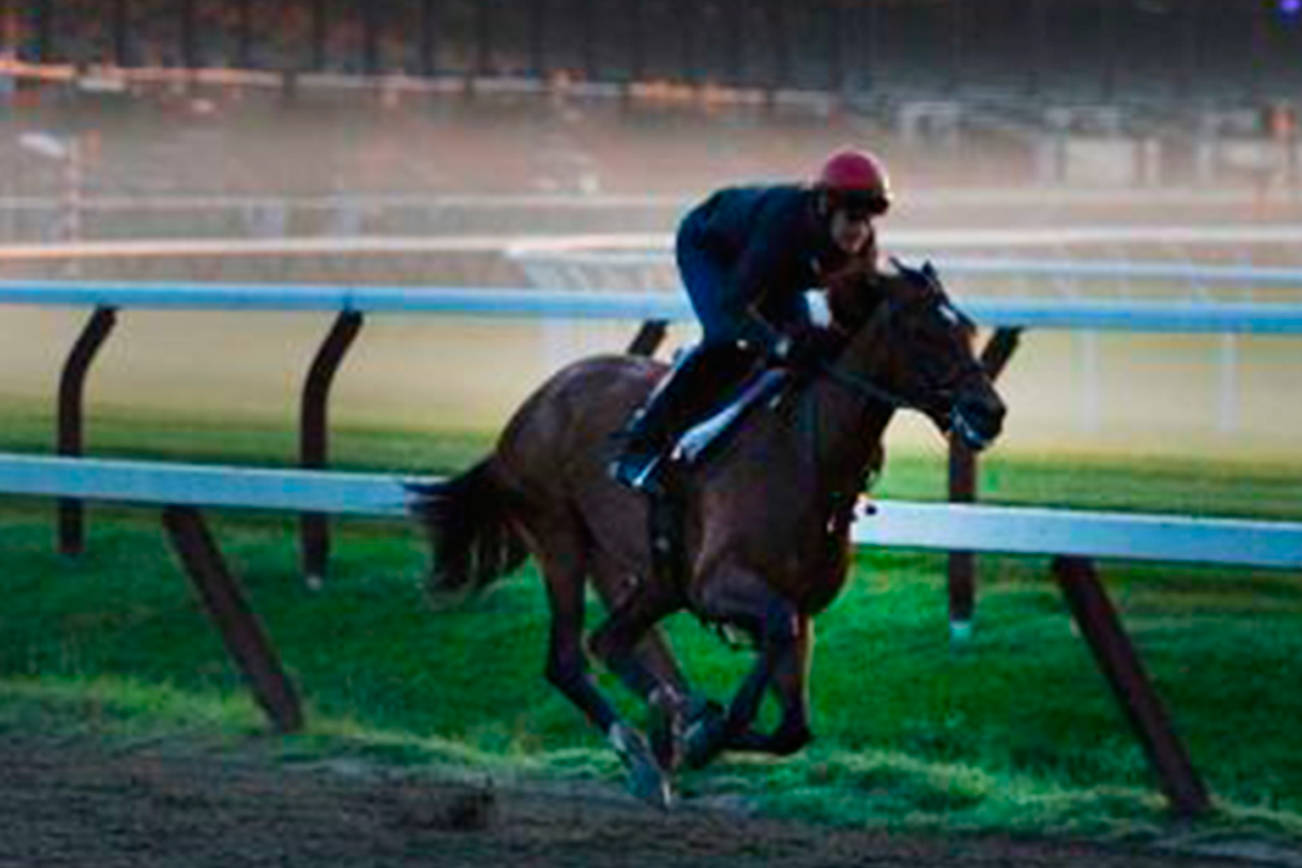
x=808, y=568
x=789, y=533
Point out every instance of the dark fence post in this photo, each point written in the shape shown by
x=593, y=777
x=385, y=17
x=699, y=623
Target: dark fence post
x=648, y=338
x=72, y=384
x=962, y=564
x=240, y=631
x=963, y=489
x=1118, y=661
x=314, y=529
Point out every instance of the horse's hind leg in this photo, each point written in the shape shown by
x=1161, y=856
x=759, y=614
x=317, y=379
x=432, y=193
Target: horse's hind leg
x=631, y=646
x=562, y=560
x=654, y=666
x=653, y=672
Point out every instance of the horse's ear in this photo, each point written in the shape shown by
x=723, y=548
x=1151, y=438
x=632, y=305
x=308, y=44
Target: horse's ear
x=905, y=271
x=929, y=270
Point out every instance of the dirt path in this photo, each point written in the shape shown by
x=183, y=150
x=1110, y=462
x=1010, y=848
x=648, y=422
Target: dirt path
x=79, y=803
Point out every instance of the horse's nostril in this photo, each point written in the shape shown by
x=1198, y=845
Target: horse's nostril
x=974, y=410
x=980, y=419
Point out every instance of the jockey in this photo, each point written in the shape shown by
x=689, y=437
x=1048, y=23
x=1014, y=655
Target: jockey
x=746, y=256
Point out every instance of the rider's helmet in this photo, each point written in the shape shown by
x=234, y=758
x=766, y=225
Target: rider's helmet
x=855, y=181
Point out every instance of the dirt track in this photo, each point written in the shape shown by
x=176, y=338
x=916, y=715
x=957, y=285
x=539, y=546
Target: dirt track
x=79, y=803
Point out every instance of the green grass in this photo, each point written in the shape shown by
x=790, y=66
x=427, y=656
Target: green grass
x=1015, y=732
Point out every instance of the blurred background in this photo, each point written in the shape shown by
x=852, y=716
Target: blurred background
x=555, y=143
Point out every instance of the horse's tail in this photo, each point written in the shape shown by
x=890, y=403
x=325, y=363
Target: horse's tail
x=472, y=538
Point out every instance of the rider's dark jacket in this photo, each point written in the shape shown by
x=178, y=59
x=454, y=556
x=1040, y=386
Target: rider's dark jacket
x=748, y=254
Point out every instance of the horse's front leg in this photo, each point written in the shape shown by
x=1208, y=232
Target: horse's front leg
x=783, y=638
x=790, y=684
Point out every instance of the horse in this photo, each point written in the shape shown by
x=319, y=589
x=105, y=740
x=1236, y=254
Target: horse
x=765, y=522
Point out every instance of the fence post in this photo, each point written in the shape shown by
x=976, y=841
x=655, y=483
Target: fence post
x=963, y=489
x=314, y=529
x=234, y=619
x=72, y=383
x=962, y=564
x=648, y=338
x=1120, y=664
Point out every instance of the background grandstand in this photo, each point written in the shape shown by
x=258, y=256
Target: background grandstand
x=1066, y=49
x=429, y=97
x=331, y=125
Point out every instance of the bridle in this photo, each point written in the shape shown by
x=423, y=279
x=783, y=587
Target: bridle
x=864, y=387
x=868, y=389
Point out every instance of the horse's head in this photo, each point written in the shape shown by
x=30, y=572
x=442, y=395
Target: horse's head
x=913, y=343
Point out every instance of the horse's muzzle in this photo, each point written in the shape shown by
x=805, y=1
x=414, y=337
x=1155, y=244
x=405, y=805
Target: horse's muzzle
x=978, y=416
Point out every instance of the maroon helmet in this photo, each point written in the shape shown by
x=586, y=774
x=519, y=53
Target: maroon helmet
x=856, y=181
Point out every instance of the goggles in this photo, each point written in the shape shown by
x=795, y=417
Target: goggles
x=860, y=204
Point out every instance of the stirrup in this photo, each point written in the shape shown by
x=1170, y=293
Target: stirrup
x=637, y=471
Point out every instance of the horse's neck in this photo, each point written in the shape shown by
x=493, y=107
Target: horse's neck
x=847, y=425
x=847, y=430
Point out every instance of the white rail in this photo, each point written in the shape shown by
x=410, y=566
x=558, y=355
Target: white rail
x=1031, y=530
x=924, y=241
x=1062, y=313
x=1203, y=274
x=937, y=198
x=969, y=527
x=152, y=482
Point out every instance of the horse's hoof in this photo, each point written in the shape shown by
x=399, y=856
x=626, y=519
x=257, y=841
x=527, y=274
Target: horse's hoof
x=648, y=783
x=664, y=747
x=669, y=712
x=703, y=737
x=646, y=779
x=665, y=733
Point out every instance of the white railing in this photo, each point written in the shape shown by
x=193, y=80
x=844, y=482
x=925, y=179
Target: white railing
x=602, y=269
x=1174, y=197
x=1007, y=266
x=1061, y=313
x=931, y=242
x=1033, y=530
x=968, y=527
x=151, y=482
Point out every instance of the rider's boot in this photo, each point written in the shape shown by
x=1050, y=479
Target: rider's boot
x=652, y=427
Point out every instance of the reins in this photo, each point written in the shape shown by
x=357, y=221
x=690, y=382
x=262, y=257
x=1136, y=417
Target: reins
x=863, y=386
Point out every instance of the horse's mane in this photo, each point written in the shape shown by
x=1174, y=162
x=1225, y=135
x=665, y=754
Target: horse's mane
x=853, y=301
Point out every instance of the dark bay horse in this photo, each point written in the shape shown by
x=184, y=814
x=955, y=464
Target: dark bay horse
x=765, y=523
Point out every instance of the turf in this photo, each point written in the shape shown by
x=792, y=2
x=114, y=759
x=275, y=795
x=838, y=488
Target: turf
x=1014, y=732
